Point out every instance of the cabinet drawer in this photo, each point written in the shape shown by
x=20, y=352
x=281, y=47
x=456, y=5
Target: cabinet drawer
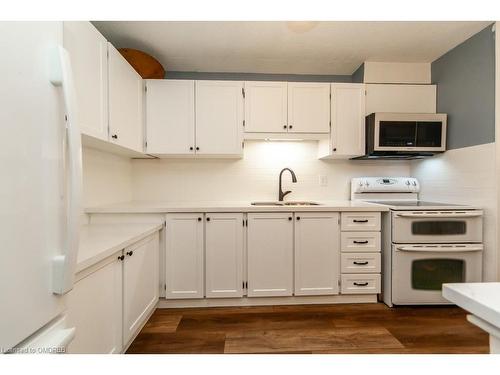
x=360, y=283
x=364, y=242
x=360, y=221
x=360, y=263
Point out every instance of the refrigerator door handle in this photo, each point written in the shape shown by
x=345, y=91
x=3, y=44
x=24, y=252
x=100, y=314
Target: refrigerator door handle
x=65, y=263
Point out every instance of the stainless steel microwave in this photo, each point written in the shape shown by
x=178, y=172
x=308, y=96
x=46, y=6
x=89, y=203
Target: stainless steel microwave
x=405, y=135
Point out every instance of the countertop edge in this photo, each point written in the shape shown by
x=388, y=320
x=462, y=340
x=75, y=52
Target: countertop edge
x=471, y=305
x=244, y=209
x=102, y=255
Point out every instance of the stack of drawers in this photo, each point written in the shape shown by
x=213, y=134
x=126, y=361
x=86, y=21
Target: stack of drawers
x=360, y=245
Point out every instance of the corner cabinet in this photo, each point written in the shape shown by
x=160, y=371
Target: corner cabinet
x=125, y=102
x=347, y=137
x=88, y=52
x=270, y=254
x=184, y=263
x=219, y=118
x=224, y=238
x=317, y=253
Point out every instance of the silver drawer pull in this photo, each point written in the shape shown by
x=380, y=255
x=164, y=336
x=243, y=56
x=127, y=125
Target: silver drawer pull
x=361, y=284
x=360, y=221
x=361, y=263
x=361, y=242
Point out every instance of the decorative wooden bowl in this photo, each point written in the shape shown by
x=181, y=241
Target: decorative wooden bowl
x=146, y=65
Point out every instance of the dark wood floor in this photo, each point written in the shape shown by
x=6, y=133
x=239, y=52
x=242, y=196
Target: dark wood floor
x=353, y=328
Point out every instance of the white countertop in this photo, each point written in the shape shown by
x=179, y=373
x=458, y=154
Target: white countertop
x=99, y=241
x=224, y=206
x=480, y=299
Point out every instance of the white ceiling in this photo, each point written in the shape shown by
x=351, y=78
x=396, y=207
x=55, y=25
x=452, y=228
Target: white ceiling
x=283, y=47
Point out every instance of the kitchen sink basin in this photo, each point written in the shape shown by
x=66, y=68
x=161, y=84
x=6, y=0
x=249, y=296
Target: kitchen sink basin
x=289, y=203
x=267, y=204
x=304, y=203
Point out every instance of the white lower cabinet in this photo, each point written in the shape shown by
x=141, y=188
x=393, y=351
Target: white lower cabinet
x=224, y=255
x=184, y=271
x=360, y=247
x=112, y=299
x=317, y=249
x=360, y=283
x=270, y=254
x=95, y=309
x=140, y=284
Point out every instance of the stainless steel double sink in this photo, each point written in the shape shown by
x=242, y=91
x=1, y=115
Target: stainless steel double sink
x=288, y=203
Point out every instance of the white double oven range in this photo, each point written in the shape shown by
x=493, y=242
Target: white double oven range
x=424, y=244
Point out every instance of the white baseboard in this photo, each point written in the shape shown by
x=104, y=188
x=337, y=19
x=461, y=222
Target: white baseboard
x=266, y=301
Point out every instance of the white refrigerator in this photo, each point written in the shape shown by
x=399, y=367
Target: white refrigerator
x=40, y=187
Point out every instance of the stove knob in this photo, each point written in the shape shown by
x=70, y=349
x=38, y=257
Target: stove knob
x=414, y=183
x=408, y=182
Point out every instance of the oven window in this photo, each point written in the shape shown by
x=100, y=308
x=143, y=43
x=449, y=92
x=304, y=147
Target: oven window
x=429, y=134
x=397, y=133
x=431, y=274
x=439, y=228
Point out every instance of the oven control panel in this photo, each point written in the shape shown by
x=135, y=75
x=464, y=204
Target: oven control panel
x=385, y=185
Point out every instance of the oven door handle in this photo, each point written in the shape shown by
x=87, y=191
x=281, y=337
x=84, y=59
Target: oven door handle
x=438, y=249
x=441, y=215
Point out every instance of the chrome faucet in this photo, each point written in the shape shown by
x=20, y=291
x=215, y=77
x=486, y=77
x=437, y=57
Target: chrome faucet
x=282, y=194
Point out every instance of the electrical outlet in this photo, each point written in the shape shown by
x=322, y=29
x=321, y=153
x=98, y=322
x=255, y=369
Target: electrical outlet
x=323, y=180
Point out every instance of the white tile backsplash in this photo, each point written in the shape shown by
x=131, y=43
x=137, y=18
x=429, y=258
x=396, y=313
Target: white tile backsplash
x=255, y=176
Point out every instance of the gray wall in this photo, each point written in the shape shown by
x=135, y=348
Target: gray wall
x=258, y=77
x=465, y=78
x=359, y=74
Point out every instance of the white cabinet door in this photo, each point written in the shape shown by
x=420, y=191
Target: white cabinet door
x=184, y=256
x=224, y=254
x=348, y=120
x=270, y=254
x=95, y=309
x=219, y=118
x=317, y=253
x=140, y=284
x=308, y=107
x=266, y=107
x=89, y=62
x=170, y=117
x=125, y=102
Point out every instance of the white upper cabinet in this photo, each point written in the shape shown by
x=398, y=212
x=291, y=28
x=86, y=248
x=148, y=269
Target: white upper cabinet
x=125, y=102
x=317, y=253
x=88, y=54
x=348, y=120
x=219, y=118
x=308, y=107
x=266, y=107
x=224, y=255
x=184, y=256
x=400, y=98
x=270, y=254
x=170, y=122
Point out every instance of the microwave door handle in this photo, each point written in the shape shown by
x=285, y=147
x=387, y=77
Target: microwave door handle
x=441, y=215
x=439, y=249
